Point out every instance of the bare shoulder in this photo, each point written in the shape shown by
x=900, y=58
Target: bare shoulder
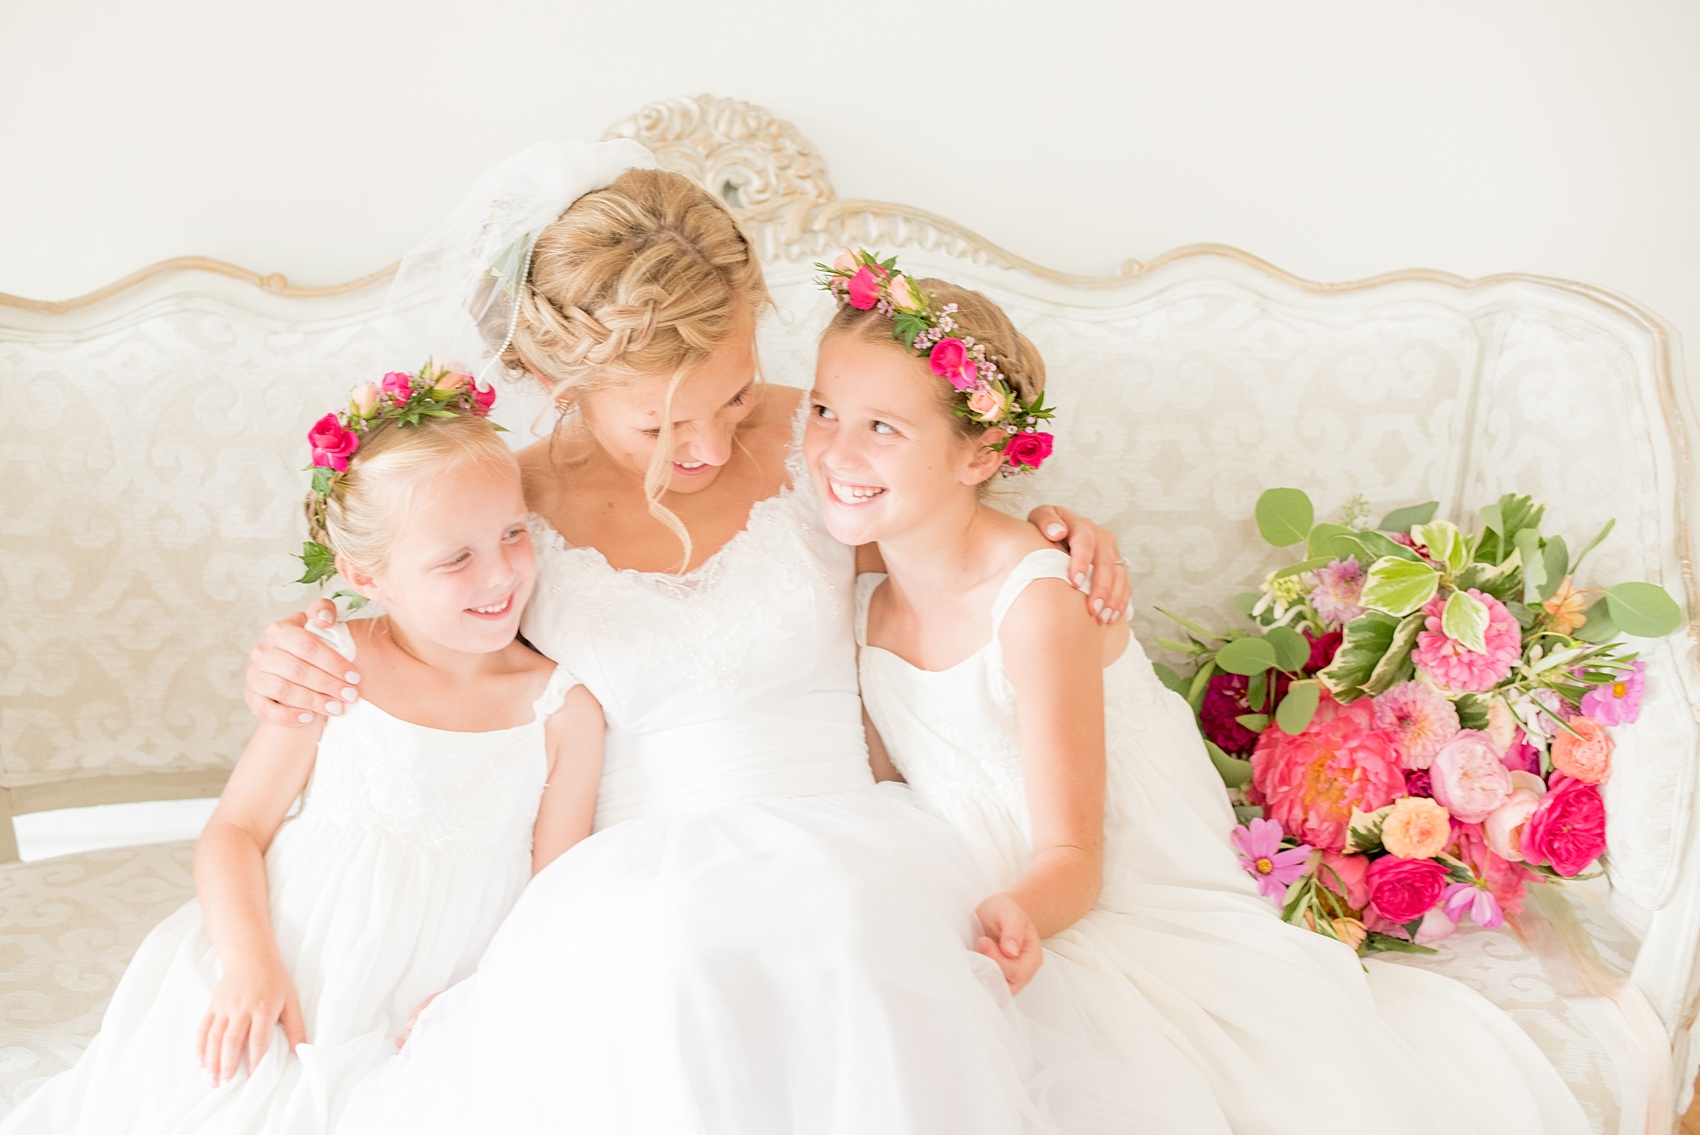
x=539, y=476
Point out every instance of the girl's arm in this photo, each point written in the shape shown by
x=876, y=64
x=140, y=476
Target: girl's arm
x=1054, y=655
x=574, y=735
x=254, y=991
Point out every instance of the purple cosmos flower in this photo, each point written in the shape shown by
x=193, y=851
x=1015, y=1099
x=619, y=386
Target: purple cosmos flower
x=1259, y=847
x=1476, y=901
x=1620, y=702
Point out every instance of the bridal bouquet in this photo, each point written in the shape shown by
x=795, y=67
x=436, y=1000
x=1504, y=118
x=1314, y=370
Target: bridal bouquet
x=1418, y=723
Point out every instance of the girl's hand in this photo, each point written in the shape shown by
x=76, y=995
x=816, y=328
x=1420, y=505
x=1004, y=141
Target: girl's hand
x=248, y=1001
x=1009, y=938
x=294, y=677
x=413, y=1019
x=1092, y=552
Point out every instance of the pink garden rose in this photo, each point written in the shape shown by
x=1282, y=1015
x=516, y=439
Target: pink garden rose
x=1030, y=450
x=1469, y=778
x=864, y=288
x=398, y=385
x=1503, y=829
x=1403, y=890
x=1568, y=831
x=949, y=360
x=1455, y=667
x=1584, y=754
x=1311, y=783
x=333, y=444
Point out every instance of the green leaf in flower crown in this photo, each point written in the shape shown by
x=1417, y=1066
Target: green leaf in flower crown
x=1493, y=519
x=1599, y=626
x=1366, y=642
x=1330, y=542
x=906, y=325
x=1284, y=516
x=1404, y=519
x=1246, y=656
x=1528, y=544
x=1644, y=610
x=1396, y=665
x=1397, y=587
x=1235, y=773
x=1298, y=707
x=1465, y=618
x=1291, y=649
x=319, y=561
x=322, y=475
x=1444, y=542
x=1555, y=559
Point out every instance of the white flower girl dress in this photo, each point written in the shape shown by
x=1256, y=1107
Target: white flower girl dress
x=408, y=848
x=1285, y=1024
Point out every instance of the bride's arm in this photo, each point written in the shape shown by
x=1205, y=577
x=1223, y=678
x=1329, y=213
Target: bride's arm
x=295, y=677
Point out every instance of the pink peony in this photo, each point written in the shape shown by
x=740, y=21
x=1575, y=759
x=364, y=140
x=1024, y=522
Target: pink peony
x=1503, y=829
x=1620, y=702
x=1345, y=876
x=1585, y=753
x=1469, y=778
x=1259, y=846
x=1507, y=881
x=1322, y=649
x=1453, y=666
x=1420, y=721
x=1568, y=831
x=1403, y=890
x=864, y=289
x=1311, y=783
x=1339, y=586
x=398, y=385
x=333, y=444
x=1029, y=449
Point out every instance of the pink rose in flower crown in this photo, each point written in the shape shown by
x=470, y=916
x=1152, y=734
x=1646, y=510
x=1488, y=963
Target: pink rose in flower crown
x=899, y=293
x=364, y=399
x=1310, y=783
x=987, y=405
x=864, y=289
x=1620, y=702
x=450, y=381
x=398, y=385
x=1403, y=890
x=1568, y=831
x=846, y=261
x=1026, y=449
x=1585, y=753
x=483, y=397
x=333, y=444
x=1468, y=776
x=949, y=360
x=1451, y=664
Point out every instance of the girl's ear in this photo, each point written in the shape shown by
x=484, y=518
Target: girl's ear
x=985, y=461
x=359, y=582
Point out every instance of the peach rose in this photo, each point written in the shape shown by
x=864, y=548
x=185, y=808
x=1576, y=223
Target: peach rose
x=846, y=261
x=1586, y=754
x=450, y=381
x=899, y=293
x=1416, y=828
x=986, y=404
x=364, y=399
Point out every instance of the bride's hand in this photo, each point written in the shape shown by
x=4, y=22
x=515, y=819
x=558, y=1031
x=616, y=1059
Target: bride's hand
x=1091, y=550
x=1009, y=938
x=295, y=677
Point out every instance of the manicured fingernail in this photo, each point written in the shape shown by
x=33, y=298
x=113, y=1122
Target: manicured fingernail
x=1097, y=605
x=333, y=707
x=351, y=676
x=1056, y=532
x=327, y=620
x=1080, y=579
x=303, y=717
x=349, y=693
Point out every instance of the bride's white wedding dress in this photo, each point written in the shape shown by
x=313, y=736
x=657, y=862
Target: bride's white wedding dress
x=757, y=938
x=1293, y=1034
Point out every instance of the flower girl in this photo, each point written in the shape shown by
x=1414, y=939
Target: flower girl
x=469, y=762
x=1049, y=743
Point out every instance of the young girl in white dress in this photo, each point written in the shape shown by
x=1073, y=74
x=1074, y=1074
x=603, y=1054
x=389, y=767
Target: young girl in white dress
x=424, y=809
x=1048, y=742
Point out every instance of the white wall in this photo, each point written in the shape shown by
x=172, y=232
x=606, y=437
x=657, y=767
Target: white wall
x=1337, y=138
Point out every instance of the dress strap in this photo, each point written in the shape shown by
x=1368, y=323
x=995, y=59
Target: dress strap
x=337, y=635
x=1046, y=563
x=554, y=693
x=866, y=584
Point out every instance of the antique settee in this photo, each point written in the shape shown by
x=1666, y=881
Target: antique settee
x=150, y=444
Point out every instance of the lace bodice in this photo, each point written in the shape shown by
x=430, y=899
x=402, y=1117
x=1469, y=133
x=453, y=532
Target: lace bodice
x=735, y=681
x=477, y=792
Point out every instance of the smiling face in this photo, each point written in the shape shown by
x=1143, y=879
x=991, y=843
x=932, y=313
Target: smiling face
x=630, y=419
x=884, y=448
x=459, y=569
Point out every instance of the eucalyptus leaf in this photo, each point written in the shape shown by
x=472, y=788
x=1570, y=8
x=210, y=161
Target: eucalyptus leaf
x=1285, y=516
x=1246, y=601
x=1235, y=773
x=1246, y=813
x=1599, y=626
x=1303, y=566
x=1465, y=618
x=1246, y=656
x=1594, y=543
x=1528, y=544
x=1298, y=707
x=1404, y=519
x=1257, y=692
x=1331, y=542
x=1195, y=628
x=1644, y=610
x=1291, y=649
x=1556, y=559
x=1493, y=519
x=1256, y=722
x=1170, y=678
x=1200, y=685
x=1397, y=586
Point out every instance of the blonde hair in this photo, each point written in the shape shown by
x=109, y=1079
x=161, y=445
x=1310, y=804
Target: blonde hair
x=647, y=276
x=1018, y=359
x=368, y=502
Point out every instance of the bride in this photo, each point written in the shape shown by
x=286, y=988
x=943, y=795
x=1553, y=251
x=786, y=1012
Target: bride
x=757, y=938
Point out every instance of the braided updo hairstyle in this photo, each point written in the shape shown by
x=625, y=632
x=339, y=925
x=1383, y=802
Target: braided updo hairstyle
x=646, y=276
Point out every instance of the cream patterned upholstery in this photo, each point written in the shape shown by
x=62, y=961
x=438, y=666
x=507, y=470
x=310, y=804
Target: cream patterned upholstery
x=151, y=444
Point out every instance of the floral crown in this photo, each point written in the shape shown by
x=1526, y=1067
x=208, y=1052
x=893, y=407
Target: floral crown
x=863, y=281
x=402, y=398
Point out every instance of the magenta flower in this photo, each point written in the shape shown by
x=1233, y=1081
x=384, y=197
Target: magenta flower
x=1476, y=901
x=1620, y=702
x=1259, y=847
x=1454, y=666
x=1339, y=586
x=1420, y=721
x=398, y=385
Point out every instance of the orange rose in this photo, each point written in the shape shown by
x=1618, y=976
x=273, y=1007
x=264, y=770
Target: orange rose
x=1416, y=828
x=1585, y=754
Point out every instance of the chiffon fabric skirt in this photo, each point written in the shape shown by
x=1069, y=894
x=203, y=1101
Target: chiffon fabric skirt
x=780, y=965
